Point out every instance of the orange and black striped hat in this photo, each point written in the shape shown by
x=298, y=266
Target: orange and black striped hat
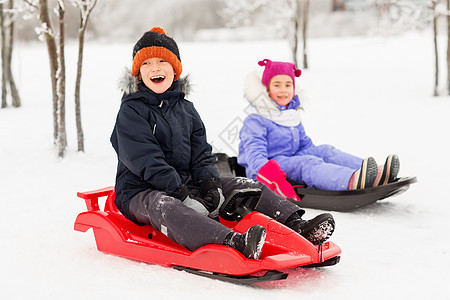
x=155, y=43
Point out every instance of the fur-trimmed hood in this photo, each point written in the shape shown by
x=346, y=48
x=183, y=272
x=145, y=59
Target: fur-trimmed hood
x=129, y=83
x=261, y=104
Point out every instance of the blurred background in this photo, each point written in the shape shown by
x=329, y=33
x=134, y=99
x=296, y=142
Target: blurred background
x=210, y=20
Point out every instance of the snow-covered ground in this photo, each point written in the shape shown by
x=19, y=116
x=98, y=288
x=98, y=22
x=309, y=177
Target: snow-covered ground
x=367, y=96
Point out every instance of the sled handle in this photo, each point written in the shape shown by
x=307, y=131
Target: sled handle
x=91, y=197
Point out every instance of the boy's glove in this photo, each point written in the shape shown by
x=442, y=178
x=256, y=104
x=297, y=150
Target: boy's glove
x=211, y=192
x=198, y=204
x=275, y=179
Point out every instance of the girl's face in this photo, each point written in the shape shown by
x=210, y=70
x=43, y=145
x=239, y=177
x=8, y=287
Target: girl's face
x=157, y=74
x=281, y=89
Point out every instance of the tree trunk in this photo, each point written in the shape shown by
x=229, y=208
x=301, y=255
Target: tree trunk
x=53, y=60
x=296, y=24
x=436, y=52
x=61, y=85
x=81, y=31
x=305, y=13
x=3, y=53
x=86, y=8
x=80, y=135
x=448, y=47
x=12, y=85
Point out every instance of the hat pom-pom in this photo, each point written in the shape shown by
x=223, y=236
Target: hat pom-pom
x=158, y=30
x=298, y=72
x=263, y=62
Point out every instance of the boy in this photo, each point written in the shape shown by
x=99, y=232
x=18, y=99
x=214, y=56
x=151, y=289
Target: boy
x=166, y=174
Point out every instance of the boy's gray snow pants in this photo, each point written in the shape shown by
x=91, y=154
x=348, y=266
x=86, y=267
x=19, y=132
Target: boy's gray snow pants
x=192, y=229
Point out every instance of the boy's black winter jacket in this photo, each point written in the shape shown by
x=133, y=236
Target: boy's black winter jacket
x=160, y=142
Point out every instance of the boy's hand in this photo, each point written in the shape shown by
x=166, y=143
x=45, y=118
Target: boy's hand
x=202, y=206
x=211, y=190
x=181, y=193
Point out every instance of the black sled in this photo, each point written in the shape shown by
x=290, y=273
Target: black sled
x=346, y=200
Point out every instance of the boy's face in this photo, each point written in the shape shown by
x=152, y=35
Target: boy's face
x=281, y=89
x=157, y=74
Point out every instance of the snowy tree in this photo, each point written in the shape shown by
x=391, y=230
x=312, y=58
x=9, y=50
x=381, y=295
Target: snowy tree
x=55, y=47
x=3, y=36
x=61, y=141
x=448, y=46
x=8, y=14
x=304, y=10
x=436, y=52
x=437, y=11
x=289, y=16
x=54, y=36
x=85, y=7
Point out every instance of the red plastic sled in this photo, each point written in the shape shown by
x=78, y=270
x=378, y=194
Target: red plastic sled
x=283, y=248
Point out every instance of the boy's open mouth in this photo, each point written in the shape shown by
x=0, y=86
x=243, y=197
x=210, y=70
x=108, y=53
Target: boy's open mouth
x=158, y=78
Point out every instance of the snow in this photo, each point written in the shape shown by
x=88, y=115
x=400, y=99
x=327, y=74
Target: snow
x=368, y=96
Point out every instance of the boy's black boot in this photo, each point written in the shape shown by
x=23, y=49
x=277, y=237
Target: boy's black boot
x=250, y=243
x=316, y=230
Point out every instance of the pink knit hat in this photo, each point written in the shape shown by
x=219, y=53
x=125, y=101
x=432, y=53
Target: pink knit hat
x=274, y=68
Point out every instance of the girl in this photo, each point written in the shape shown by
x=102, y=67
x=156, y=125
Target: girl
x=274, y=145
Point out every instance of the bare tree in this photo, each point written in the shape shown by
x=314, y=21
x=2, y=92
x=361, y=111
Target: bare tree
x=296, y=24
x=12, y=85
x=55, y=48
x=7, y=17
x=46, y=33
x=305, y=19
x=85, y=7
x=3, y=36
x=448, y=46
x=436, y=51
x=61, y=82
x=436, y=13
x=55, y=41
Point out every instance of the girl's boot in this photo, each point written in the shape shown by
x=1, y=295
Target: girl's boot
x=389, y=171
x=365, y=176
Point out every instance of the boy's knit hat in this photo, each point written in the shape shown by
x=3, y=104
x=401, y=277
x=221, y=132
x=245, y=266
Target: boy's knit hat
x=274, y=68
x=155, y=43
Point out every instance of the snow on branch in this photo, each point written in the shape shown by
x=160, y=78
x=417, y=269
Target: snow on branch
x=85, y=7
x=61, y=5
x=10, y=14
x=42, y=31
